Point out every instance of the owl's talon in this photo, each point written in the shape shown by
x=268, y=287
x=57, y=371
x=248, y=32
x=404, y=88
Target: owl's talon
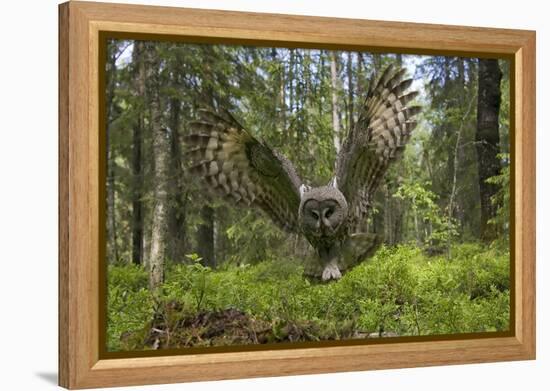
x=331, y=272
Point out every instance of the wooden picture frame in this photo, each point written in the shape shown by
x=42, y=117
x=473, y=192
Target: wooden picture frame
x=81, y=24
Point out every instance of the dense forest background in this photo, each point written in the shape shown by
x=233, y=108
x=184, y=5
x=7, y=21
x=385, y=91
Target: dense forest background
x=176, y=255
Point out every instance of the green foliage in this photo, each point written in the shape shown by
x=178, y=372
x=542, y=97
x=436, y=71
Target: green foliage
x=400, y=291
x=254, y=238
x=129, y=303
x=457, y=294
x=440, y=227
x=502, y=197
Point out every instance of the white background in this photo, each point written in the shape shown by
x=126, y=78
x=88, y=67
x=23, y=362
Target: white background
x=28, y=194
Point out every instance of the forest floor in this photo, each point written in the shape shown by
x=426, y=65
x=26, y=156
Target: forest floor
x=224, y=327
x=401, y=291
x=230, y=327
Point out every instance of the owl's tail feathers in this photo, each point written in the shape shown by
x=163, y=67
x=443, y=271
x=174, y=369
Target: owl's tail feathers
x=357, y=248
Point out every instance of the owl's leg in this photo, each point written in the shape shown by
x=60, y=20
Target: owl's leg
x=331, y=270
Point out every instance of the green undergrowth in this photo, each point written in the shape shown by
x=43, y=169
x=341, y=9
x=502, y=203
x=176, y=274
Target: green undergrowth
x=400, y=291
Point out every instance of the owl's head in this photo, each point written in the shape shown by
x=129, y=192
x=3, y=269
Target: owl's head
x=323, y=210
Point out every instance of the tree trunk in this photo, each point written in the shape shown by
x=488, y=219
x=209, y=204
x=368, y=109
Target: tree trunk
x=461, y=73
x=277, y=84
x=351, y=111
x=360, y=78
x=399, y=60
x=282, y=97
x=487, y=140
x=291, y=77
x=454, y=187
x=417, y=228
x=377, y=64
x=205, y=237
x=112, y=246
x=137, y=170
x=334, y=93
x=399, y=216
x=161, y=151
x=205, y=232
x=321, y=71
x=388, y=216
x=178, y=195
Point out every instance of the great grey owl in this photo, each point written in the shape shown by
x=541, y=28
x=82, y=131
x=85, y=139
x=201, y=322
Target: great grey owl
x=247, y=171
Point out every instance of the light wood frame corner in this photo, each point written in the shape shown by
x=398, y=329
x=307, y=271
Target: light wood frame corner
x=80, y=25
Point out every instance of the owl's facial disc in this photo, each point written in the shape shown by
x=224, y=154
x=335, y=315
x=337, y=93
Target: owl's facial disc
x=321, y=217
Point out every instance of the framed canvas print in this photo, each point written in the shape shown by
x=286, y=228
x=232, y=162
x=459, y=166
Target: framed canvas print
x=247, y=195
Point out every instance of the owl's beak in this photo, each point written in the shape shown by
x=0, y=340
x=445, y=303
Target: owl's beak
x=327, y=229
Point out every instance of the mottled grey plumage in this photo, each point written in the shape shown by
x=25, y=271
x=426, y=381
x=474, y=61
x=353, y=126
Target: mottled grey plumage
x=240, y=168
x=247, y=171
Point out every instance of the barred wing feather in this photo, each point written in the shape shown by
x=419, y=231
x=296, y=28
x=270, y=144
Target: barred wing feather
x=238, y=167
x=380, y=135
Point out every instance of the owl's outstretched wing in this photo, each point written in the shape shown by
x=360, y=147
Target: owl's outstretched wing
x=242, y=169
x=380, y=135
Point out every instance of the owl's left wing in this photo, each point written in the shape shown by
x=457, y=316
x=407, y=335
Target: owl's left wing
x=242, y=169
x=378, y=138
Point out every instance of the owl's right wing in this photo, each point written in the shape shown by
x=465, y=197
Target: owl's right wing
x=242, y=169
x=378, y=138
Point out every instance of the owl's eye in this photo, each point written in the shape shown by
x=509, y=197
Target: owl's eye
x=328, y=213
x=314, y=214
